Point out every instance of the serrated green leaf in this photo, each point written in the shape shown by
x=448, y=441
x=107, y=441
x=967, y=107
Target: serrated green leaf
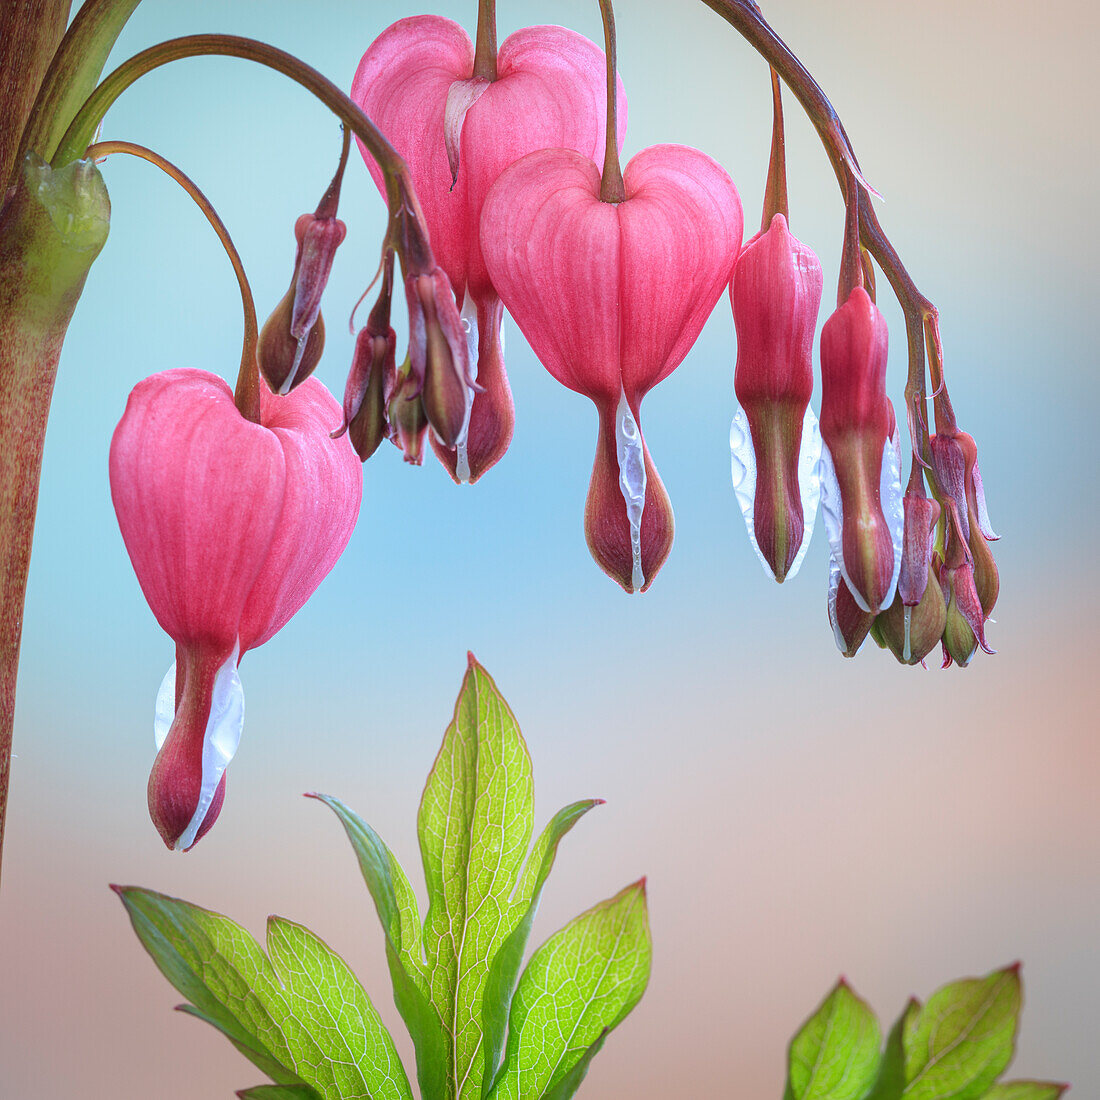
x=581, y=983
x=353, y=1053
x=279, y=1092
x=1026, y=1090
x=963, y=1039
x=397, y=911
x=475, y=824
x=300, y=1016
x=500, y=982
x=890, y=1083
x=835, y=1056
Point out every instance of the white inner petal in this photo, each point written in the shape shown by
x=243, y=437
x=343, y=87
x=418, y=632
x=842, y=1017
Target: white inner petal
x=834, y=589
x=165, y=709
x=628, y=446
x=893, y=508
x=469, y=326
x=743, y=470
x=220, y=741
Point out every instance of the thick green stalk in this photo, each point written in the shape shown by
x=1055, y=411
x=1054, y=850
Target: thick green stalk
x=29, y=33
x=74, y=71
x=51, y=230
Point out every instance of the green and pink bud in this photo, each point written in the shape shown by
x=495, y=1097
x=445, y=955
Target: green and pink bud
x=293, y=337
x=964, y=630
x=775, y=443
x=860, y=462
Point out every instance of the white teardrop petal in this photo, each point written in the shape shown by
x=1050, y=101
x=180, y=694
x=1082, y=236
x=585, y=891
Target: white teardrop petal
x=632, y=482
x=165, y=709
x=893, y=508
x=223, y=735
x=743, y=472
x=468, y=317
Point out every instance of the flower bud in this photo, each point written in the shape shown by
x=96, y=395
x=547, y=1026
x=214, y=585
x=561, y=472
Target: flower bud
x=293, y=337
x=918, y=533
x=955, y=463
x=861, y=488
x=775, y=293
x=964, y=630
x=439, y=358
x=911, y=633
x=849, y=621
x=405, y=412
x=370, y=383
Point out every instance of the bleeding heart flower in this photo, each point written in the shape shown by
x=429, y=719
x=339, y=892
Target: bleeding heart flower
x=611, y=297
x=457, y=134
x=775, y=443
x=230, y=527
x=860, y=461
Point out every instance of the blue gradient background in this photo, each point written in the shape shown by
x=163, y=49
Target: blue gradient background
x=798, y=816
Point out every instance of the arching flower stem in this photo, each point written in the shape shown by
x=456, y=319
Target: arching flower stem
x=246, y=395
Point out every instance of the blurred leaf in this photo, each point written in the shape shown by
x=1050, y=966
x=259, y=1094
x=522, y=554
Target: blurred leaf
x=397, y=911
x=963, y=1039
x=836, y=1054
x=579, y=985
x=278, y=1092
x=890, y=1083
x=500, y=983
x=1026, y=1090
x=475, y=824
x=300, y=1016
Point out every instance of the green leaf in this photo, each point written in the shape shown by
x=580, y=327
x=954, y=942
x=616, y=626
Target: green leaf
x=836, y=1054
x=564, y=1086
x=397, y=911
x=890, y=1083
x=962, y=1040
x=580, y=984
x=278, y=1092
x=475, y=824
x=300, y=1016
x=500, y=983
x=1026, y=1090
x=353, y=1053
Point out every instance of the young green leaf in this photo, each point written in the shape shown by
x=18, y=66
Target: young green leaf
x=397, y=911
x=500, y=983
x=1026, y=1090
x=475, y=824
x=566, y=1084
x=300, y=1016
x=579, y=985
x=890, y=1083
x=352, y=1050
x=836, y=1054
x=962, y=1040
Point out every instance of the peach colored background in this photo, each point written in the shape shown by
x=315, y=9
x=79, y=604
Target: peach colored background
x=798, y=816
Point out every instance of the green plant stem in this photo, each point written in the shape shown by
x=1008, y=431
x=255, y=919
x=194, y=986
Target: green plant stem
x=746, y=18
x=612, y=188
x=775, y=191
x=399, y=188
x=485, y=47
x=247, y=391
x=30, y=31
x=51, y=230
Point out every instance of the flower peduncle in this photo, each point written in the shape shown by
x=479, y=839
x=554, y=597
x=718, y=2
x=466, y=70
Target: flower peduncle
x=246, y=395
x=612, y=188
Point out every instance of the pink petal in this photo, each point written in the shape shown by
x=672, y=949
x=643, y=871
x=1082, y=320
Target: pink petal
x=324, y=487
x=553, y=252
x=198, y=491
x=681, y=229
